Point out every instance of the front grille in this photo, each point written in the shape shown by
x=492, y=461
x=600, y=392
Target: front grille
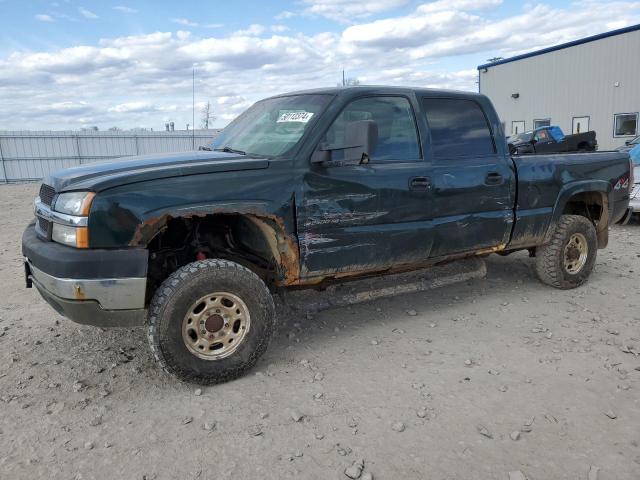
x=46, y=194
x=43, y=227
x=636, y=191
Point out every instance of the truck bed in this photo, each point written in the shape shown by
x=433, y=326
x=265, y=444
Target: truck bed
x=546, y=182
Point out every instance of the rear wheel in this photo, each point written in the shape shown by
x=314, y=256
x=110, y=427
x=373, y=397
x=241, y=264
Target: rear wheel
x=210, y=321
x=567, y=261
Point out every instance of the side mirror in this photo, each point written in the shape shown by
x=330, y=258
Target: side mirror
x=360, y=140
x=627, y=143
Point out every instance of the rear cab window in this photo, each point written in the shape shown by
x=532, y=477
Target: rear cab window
x=458, y=128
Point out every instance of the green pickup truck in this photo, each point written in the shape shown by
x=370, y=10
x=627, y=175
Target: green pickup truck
x=304, y=190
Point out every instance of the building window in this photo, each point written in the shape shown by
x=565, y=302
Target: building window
x=545, y=122
x=517, y=126
x=580, y=124
x=625, y=124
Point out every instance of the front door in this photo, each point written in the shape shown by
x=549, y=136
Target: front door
x=367, y=217
x=580, y=125
x=473, y=183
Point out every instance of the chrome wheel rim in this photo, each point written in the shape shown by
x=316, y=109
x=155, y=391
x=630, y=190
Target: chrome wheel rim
x=215, y=325
x=575, y=253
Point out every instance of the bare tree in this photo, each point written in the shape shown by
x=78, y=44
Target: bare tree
x=207, y=115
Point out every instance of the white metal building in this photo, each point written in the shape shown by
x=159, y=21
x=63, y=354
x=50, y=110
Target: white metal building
x=588, y=84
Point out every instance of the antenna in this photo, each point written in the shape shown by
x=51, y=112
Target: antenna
x=193, y=91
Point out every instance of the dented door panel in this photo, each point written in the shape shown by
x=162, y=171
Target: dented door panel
x=362, y=217
x=470, y=214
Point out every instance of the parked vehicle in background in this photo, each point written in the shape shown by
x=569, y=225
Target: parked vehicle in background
x=551, y=140
x=303, y=190
x=634, y=196
x=629, y=144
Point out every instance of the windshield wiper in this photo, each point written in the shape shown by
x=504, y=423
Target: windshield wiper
x=230, y=150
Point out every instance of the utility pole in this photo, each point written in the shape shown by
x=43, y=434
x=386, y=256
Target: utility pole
x=193, y=132
x=343, y=80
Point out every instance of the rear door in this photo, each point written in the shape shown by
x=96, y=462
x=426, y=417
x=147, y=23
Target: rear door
x=354, y=218
x=473, y=182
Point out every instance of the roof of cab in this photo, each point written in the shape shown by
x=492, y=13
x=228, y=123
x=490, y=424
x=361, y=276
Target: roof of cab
x=381, y=89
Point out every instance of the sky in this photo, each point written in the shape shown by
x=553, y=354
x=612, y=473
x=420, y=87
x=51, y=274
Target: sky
x=72, y=64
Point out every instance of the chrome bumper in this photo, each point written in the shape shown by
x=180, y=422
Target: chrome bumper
x=634, y=198
x=110, y=293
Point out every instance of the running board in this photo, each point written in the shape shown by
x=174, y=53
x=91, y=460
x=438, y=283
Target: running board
x=365, y=290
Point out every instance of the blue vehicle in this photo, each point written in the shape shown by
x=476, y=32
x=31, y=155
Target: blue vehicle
x=629, y=144
x=551, y=139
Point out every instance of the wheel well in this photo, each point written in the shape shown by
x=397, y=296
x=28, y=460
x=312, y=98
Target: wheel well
x=595, y=207
x=249, y=240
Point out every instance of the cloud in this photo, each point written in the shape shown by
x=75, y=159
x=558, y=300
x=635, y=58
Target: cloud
x=143, y=80
x=125, y=9
x=344, y=11
x=66, y=108
x=438, y=29
x=87, y=13
x=43, y=17
x=188, y=23
x=253, y=30
x=140, y=107
x=467, y=5
x=185, y=21
x=284, y=15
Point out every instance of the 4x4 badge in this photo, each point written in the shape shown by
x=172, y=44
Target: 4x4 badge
x=622, y=183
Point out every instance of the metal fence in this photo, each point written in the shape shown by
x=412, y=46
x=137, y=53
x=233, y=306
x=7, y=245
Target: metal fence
x=26, y=156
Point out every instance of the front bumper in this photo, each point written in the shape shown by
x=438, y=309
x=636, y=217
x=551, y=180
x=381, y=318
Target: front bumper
x=634, y=199
x=105, y=288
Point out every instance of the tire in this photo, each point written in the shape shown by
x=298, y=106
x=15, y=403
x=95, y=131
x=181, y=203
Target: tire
x=222, y=288
x=555, y=268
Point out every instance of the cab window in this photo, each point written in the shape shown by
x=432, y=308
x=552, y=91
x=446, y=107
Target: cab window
x=458, y=128
x=397, y=133
x=542, y=136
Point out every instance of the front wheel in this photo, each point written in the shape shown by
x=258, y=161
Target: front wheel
x=567, y=261
x=210, y=321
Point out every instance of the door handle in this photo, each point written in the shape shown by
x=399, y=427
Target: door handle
x=493, y=178
x=420, y=183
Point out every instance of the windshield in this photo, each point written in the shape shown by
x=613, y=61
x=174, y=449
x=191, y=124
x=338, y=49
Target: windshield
x=271, y=127
x=522, y=137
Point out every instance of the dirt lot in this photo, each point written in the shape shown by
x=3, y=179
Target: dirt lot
x=466, y=382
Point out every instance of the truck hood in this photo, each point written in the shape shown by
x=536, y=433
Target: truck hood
x=103, y=175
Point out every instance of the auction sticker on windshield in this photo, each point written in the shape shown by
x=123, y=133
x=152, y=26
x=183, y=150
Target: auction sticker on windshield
x=302, y=117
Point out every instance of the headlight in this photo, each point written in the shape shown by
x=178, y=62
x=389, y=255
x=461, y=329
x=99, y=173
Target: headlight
x=77, y=237
x=74, y=203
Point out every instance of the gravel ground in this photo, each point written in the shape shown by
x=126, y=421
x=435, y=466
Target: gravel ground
x=480, y=380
